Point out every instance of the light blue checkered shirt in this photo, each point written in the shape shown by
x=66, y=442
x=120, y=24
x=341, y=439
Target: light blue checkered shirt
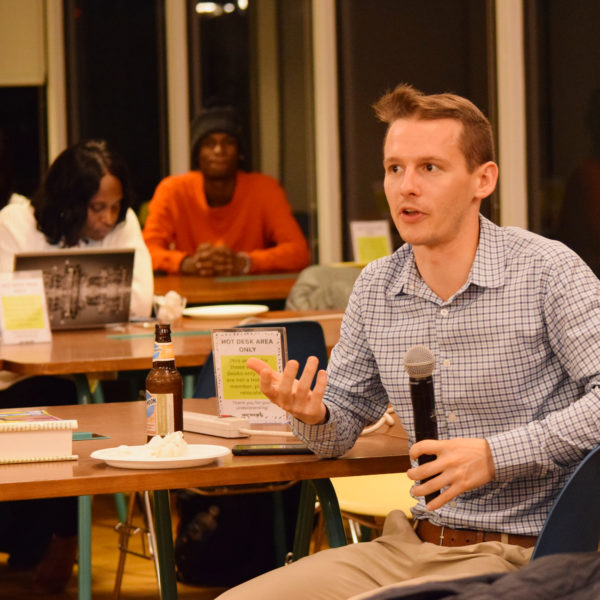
x=517, y=362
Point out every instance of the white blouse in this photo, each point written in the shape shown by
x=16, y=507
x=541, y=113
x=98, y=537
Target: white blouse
x=19, y=233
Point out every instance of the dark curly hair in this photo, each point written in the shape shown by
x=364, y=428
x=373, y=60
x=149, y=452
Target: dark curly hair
x=61, y=203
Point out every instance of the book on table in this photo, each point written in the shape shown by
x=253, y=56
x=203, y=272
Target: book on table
x=35, y=435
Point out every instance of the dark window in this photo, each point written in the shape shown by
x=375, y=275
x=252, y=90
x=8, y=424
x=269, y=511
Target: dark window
x=116, y=82
x=435, y=45
x=22, y=139
x=563, y=115
x=220, y=62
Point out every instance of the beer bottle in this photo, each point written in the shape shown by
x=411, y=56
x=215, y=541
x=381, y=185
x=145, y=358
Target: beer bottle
x=164, y=387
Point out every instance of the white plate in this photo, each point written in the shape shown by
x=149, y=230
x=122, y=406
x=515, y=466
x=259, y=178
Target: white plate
x=198, y=454
x=224, y=311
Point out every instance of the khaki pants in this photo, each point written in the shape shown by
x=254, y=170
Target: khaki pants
x=397, y=556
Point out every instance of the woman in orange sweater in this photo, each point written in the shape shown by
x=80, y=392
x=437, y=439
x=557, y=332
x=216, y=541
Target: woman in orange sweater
x=219, y=220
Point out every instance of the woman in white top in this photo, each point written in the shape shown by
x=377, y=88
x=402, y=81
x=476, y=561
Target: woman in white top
x=84, y=201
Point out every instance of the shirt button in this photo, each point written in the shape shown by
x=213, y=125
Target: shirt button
x=453, y=503
x=452, y=417
x=447, y=362
x=444, y=312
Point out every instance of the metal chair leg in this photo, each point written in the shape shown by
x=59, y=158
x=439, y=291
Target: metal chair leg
x=355, y=531
x=124, y=533
x=126, y=529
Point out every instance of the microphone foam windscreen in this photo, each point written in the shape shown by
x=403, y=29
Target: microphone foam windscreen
x=419, y=362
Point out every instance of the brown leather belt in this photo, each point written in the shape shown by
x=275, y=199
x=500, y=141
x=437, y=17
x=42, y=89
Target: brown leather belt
x=444, y=536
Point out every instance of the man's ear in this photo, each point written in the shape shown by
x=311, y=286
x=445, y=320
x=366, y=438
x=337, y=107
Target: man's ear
x=487, y=179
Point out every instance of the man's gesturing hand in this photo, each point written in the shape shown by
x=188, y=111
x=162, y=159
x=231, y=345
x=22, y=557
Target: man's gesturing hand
x=461, y=464
x=291, y=394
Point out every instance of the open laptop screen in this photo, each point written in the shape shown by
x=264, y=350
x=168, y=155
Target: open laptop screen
x=84, y=288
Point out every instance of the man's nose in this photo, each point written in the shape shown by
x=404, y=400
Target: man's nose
x=410, y=181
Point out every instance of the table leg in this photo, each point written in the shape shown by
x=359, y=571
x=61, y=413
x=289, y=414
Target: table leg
x=189, y=385
x=332, y=516
x=164, y=545
x=84, y=539
x=323, y=489
x=305, y=520
x=85, y=395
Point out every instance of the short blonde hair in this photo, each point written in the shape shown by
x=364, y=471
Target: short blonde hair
x=476, y=140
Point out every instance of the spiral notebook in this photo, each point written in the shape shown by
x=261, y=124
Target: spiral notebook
x=32, y=435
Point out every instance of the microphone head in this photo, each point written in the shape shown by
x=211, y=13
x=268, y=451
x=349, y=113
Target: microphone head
x=419, y=362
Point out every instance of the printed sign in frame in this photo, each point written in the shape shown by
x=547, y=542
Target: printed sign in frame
x=238, y=389
x=23, y=309
x=370, y=240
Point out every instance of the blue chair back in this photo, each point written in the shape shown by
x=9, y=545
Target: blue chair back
x=573, y=523
x=304, y=339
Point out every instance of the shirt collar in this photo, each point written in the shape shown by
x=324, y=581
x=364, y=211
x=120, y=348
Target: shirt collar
x=488, y=268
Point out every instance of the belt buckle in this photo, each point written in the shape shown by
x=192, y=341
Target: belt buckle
x=442, y=529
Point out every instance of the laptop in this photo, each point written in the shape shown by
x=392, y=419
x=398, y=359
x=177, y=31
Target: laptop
x=84, y=288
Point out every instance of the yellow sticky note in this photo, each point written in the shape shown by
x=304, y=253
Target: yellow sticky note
x=23, y=312
x=240, y=382
x=372, y=247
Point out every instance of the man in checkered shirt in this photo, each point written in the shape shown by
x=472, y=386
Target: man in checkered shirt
x=513, y=320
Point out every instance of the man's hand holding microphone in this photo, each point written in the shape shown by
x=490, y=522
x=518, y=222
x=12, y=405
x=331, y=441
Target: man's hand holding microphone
x=454, y=465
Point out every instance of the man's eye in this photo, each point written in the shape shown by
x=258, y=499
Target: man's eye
x=430, y=167
x=395, y=169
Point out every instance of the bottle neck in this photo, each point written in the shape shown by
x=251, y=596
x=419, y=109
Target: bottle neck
x=163, y=356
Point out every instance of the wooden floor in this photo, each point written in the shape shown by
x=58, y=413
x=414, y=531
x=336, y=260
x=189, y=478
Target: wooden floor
x=139, y=580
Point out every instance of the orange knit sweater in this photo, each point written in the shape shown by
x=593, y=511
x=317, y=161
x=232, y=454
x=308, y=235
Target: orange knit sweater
x=258, y=221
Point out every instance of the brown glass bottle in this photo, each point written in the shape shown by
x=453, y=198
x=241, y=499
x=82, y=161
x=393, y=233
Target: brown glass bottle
x=164, y=387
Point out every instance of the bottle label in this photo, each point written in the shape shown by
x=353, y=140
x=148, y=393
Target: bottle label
x=163, y=352
x=160, y=414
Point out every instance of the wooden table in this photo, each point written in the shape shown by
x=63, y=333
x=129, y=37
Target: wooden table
x=83, y=353
x=129, y=347
x=124, y=424
x=219, y=290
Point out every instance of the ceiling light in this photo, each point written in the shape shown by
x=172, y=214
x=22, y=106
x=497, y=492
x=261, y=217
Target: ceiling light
x=207, y=8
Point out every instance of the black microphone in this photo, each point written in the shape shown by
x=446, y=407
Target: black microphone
x=419, y=363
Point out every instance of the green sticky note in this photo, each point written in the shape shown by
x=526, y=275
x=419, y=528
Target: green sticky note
x=23, y=312
x=371, y=247
x=240, y=382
